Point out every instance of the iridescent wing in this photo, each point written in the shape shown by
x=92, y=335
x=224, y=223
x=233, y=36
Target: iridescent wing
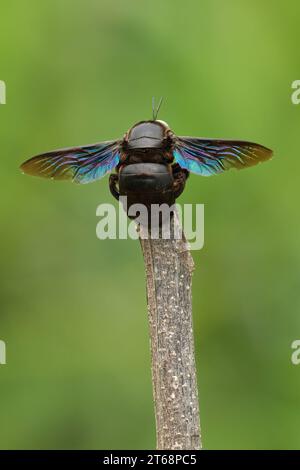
x=79, y=164
x=208, y=157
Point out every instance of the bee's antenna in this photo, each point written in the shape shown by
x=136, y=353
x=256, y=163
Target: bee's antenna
x=158, y=107
x=153, y=108
x=155, y=111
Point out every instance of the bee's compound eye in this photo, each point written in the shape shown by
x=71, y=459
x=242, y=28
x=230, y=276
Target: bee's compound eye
x=163, y=123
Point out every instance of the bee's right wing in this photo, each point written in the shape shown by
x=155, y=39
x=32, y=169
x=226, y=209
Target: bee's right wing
x=208, y=157
x=79, y=164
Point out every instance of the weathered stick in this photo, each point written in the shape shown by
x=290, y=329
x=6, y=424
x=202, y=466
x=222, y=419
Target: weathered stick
x=169, y=267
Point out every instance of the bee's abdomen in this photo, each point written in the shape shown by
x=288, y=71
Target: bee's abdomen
x=147, y=183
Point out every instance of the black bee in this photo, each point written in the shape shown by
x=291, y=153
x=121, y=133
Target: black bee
x=152, y=163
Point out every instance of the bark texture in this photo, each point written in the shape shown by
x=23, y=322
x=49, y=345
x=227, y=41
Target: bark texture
x=169, y=267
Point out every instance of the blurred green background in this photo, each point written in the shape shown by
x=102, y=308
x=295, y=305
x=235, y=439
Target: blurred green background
x=73, y=310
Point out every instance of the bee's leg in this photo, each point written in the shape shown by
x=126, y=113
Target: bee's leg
x=180, y=176
x=113, y=186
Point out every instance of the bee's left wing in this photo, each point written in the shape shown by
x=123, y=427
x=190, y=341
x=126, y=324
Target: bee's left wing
x=208, y=157
x=79, y=164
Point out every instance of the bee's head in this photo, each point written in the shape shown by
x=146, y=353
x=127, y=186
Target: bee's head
x=147, y=134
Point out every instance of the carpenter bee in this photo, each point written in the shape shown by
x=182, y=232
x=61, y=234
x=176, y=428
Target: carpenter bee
x=151, y=163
